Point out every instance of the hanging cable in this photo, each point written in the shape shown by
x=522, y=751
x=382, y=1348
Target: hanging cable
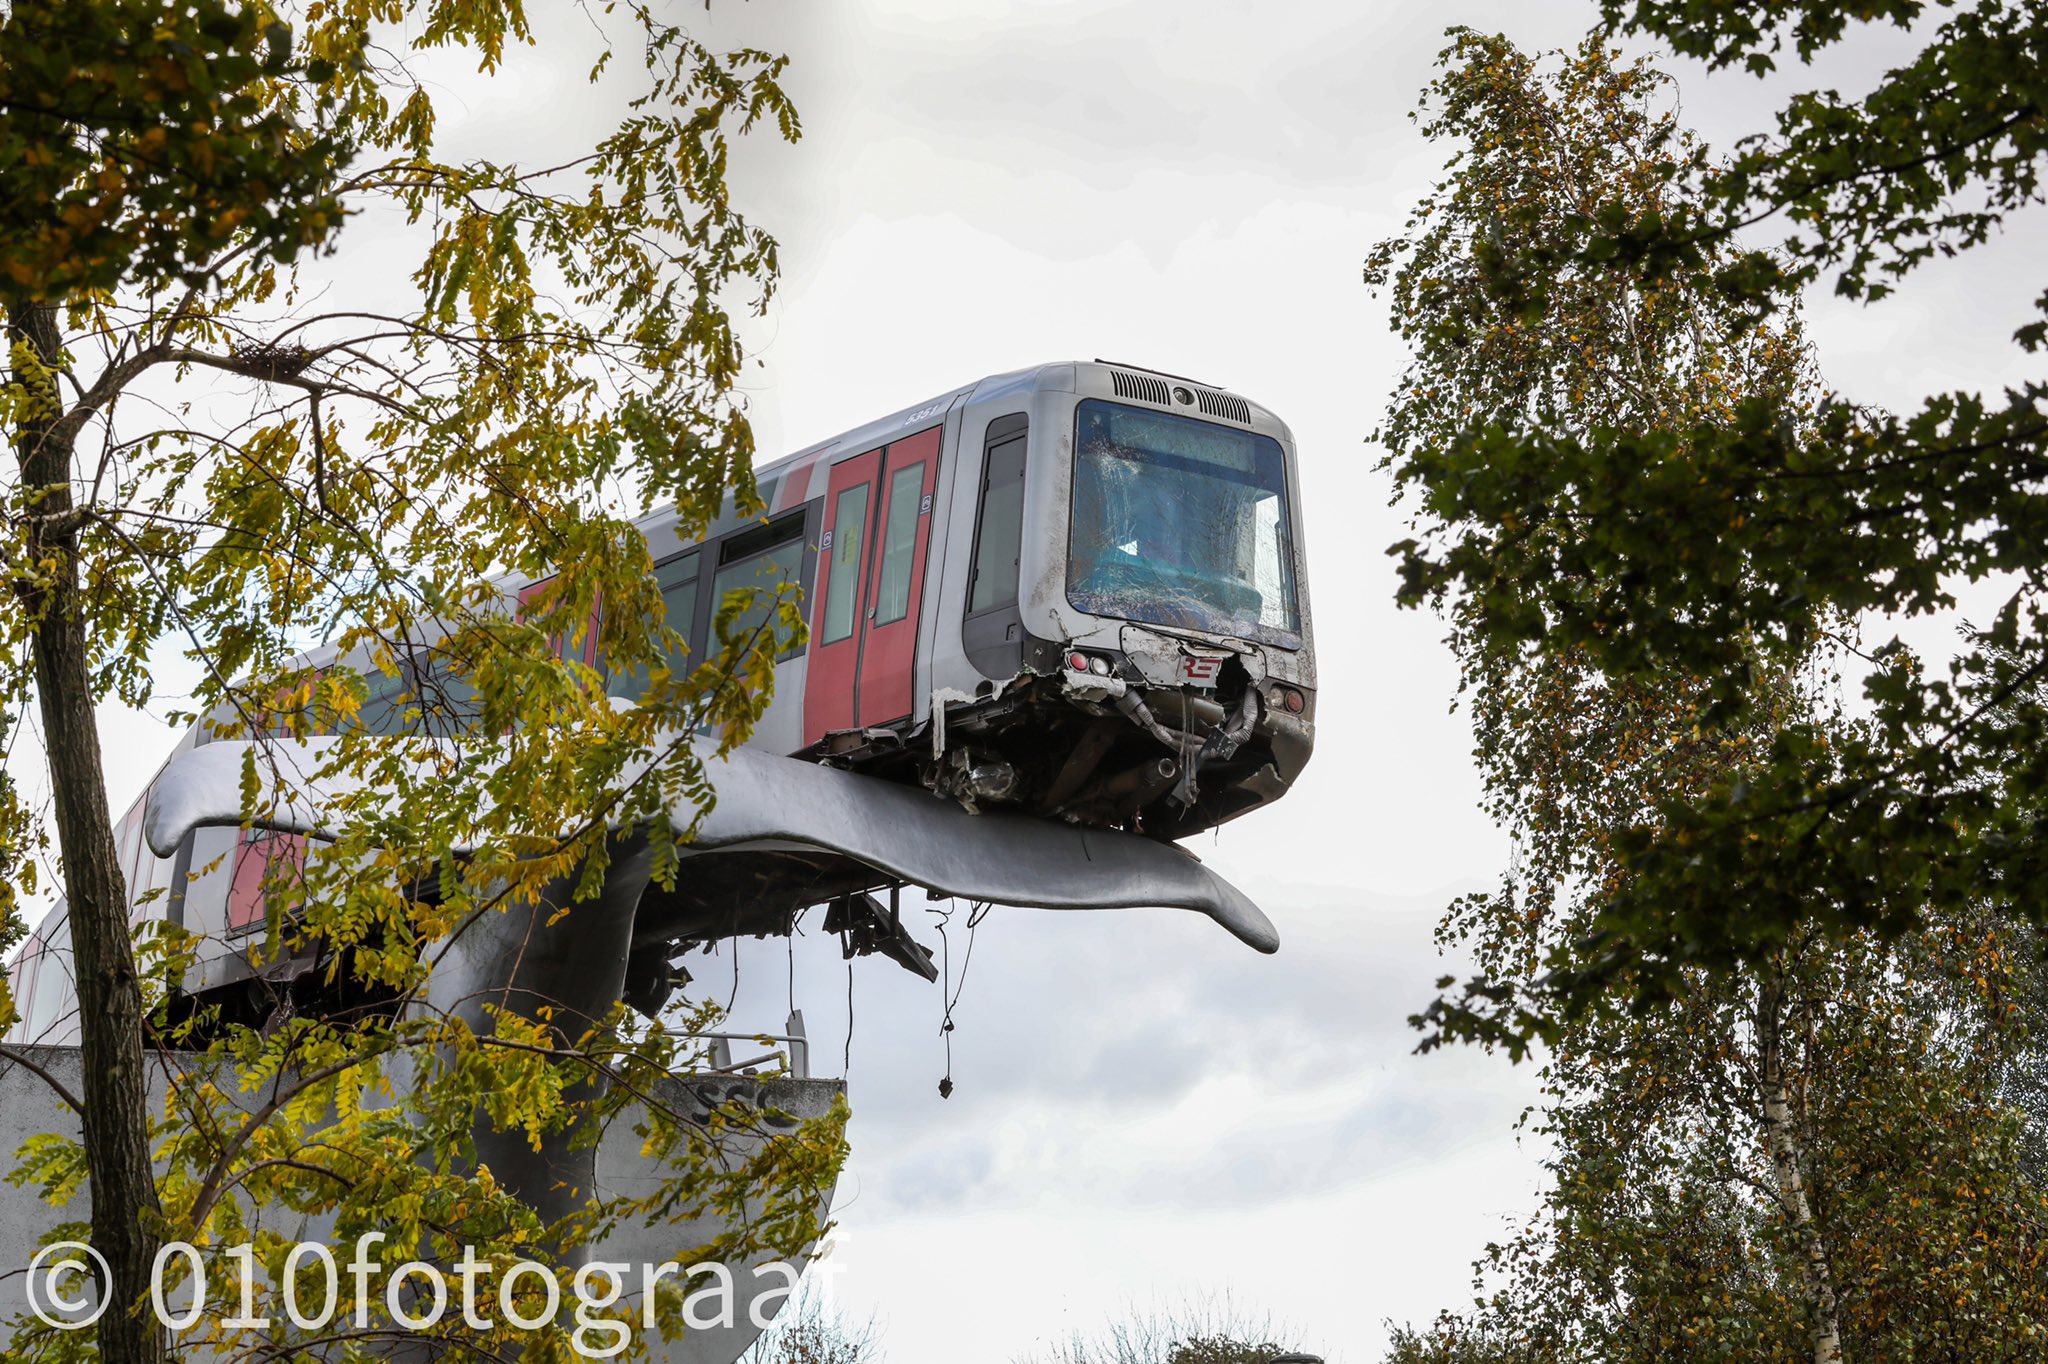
x=846, y=1060
x=795, y=925
x=977, y=911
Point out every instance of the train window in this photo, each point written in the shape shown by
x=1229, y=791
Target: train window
x=677, y=580
x=1181, y=522
x=764, y=559
x=380, y=712
x=448, y=703
x=679, y=598
x=999, y=531
x=425, y=697
x=842, y=583
x=899, y=542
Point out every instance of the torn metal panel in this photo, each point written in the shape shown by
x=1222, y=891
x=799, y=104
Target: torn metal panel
x=865, y=927
x=1164, y=659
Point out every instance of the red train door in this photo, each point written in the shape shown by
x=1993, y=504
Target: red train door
x=834, y=669
x=570, y=652
x=871, y=557
x=257, y=853
x=902, y=542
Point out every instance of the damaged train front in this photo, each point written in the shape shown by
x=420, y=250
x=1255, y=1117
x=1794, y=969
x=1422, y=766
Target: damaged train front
x=1156, y=671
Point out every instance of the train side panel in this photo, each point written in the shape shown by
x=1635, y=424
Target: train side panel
x=978, y=635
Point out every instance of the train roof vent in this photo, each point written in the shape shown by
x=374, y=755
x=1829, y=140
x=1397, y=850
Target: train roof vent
x=1141, y=386
x=1224, y=405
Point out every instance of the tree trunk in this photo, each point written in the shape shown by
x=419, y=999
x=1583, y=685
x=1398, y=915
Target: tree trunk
x=115, y=1097
x=1781, y=1137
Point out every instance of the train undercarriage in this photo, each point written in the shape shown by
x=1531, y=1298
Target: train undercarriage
x=1083, y=736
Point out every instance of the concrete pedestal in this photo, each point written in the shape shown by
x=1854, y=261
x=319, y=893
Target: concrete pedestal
x=28, y=1107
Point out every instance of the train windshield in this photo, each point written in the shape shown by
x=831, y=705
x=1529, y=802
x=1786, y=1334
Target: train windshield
x=1182, y=523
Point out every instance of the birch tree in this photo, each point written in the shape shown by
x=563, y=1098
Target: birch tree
x=1774, y=1158
x=1658, y=547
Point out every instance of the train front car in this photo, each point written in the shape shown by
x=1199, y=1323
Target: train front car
x=1135, y=648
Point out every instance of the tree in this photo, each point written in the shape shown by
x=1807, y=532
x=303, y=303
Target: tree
x=811, y=1331
x=1657, y=549
x=1807, y=1152
x=1209, y=1330
x=181, y=176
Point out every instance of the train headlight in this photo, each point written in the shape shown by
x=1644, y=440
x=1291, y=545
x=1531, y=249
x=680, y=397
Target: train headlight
x=1099, y=666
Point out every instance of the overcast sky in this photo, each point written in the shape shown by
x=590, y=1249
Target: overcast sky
x=1145, y=1108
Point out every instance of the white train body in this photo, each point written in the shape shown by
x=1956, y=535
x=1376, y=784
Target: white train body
x=1074, y=592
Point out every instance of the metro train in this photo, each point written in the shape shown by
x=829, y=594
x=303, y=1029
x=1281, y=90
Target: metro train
x=1071, y=594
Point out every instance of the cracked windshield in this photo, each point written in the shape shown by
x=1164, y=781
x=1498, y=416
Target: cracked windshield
x=1182, y=523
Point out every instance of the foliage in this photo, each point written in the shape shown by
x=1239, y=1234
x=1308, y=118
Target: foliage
x=140, y=139
x=1208, y=1330
x=811, y=1331
x=1221, y=1350
x=1594, y=348
x=1665, y=1230
x=1657, y=546
x=231, y=445
x=1808, y=1151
